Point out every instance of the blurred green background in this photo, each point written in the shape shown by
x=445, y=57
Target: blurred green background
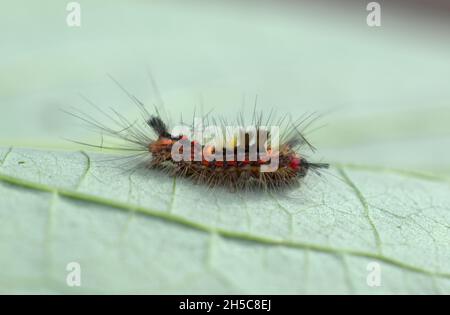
x=383, y=91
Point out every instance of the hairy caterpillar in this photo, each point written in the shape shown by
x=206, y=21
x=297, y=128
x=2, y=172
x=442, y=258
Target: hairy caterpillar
x=232, y=173
x=241, y=167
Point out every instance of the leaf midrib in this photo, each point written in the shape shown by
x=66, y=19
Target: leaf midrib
x=242, y=236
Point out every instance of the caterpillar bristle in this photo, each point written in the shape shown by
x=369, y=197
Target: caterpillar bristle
x=235, y=174
x=158, y=126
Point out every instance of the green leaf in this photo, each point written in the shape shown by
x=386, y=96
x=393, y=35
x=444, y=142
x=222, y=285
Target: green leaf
x=139, y=231
x=384, y=96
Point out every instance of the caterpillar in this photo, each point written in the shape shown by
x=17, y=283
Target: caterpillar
x=247, y=158
x=235, y=174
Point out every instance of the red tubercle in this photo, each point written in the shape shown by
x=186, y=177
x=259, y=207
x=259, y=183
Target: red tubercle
x=295, y=163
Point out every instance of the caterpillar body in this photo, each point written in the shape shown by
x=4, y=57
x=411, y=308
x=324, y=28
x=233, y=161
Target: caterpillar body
x=248, y=167
x=245, y=174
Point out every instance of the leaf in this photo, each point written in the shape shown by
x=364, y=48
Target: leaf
x=384, y=94
x=139, y=231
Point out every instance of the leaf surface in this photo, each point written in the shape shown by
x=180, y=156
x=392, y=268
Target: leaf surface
x=140, y=231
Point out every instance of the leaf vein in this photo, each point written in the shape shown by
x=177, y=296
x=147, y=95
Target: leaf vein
x=365, y=205
x=242, y=236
